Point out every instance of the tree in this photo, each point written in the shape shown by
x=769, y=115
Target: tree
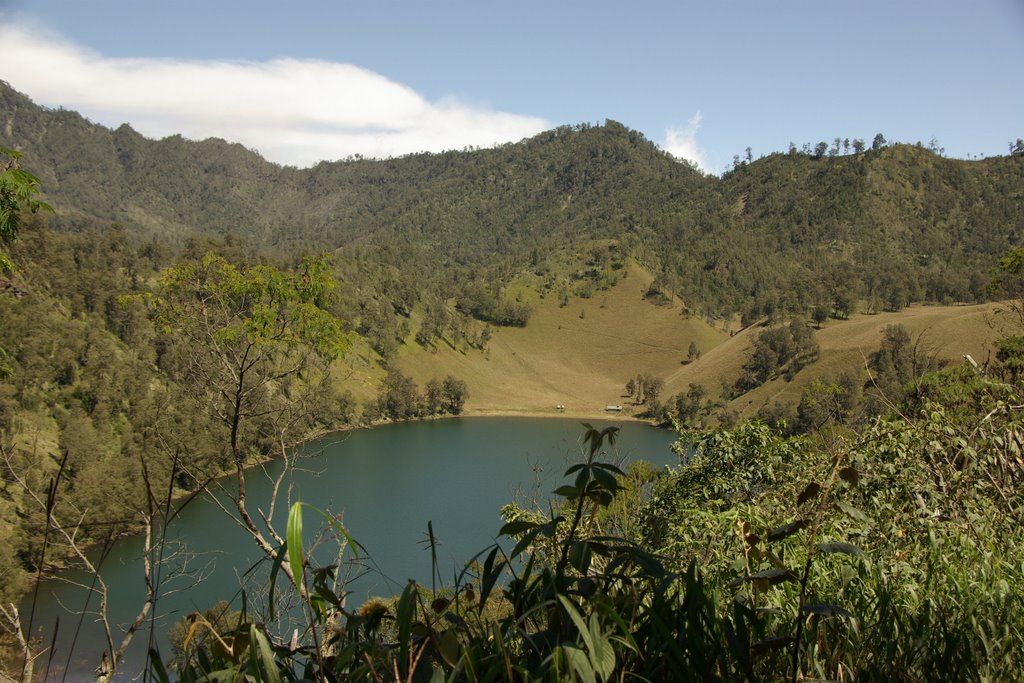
x=454, y=393
x=1017, y=148
x=825, y=401
x=398, y=398
x=692, y=353
x=1008, y=285
x=435, y=321
x=842, y=303
x=1011, y=354
x=819, y=315
x=258, y=343
x=432, y=396
x=878, y=143
x=652, y=390
x=689, y=405
x=19, y=190
x=896, y=367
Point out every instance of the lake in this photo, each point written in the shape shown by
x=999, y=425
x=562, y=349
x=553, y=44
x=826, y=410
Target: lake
x=388, y=482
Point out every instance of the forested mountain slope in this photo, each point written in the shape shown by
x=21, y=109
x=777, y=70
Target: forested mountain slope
x=790, y=231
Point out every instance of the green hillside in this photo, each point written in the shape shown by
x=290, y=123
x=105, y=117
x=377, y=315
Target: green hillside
x=877, y=229
x=191, y=310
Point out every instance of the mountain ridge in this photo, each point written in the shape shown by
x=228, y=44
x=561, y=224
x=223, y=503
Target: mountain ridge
x=786, y=231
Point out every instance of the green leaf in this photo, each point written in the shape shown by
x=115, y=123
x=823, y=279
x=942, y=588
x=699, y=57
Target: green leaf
x=611, y=468
x=274, y=570
x=403, y=620
x=261, y=657
x=577, y=619
x=567, y=491
x=602, y=654
x=448, y=646
x=517, y=527
x=767, y=645
x=156, y=665
x=845, y=548
x=579, y=663
x=293, y=541
x=525, y=541
x=489, y=576
x=606, y=479
x=853, y=512
x=773, y=576
x=579, y=556
x=583, y=478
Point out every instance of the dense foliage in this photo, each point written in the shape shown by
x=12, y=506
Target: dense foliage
x=873, y=228
x=875, y=556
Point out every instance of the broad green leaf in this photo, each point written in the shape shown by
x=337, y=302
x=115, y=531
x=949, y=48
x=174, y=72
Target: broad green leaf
x=489, y=576
x=448, y=646
x=610, y=467
x=577, y=619
x=517, y=527
x=602, y=654
x=156, y=665
x=261, y=657
x=579, y=663
x=274, y=569
x=853, y=512
x=568, y=491
x=845, y=548
x=293, y=541
x=403, y=620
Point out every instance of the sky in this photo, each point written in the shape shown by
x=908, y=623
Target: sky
x=305, y=81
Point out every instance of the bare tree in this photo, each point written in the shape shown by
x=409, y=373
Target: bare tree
x=66, y=525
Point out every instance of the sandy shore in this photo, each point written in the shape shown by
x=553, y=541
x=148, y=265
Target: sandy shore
x=557, y=414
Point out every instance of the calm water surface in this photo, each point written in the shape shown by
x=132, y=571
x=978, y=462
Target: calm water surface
x=388, y=482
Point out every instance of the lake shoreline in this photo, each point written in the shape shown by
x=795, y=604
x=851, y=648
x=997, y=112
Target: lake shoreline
x=54, y=567
x=390, y=484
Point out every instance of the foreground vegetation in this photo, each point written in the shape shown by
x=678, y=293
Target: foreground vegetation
x=875, y=554
x=856, y=531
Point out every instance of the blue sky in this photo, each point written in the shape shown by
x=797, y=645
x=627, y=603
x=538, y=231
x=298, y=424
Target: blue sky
x=302, y=81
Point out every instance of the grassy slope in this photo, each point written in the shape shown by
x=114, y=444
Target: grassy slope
x=943, y=332
x=946, y=332
x=584, y=362
x=560, y=357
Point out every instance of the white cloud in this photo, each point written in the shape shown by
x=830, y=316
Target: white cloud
x=293, y=111
x=681, y=142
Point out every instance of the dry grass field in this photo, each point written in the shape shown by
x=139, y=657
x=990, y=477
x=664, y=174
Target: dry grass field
x=581, y=355
x=946, y=333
